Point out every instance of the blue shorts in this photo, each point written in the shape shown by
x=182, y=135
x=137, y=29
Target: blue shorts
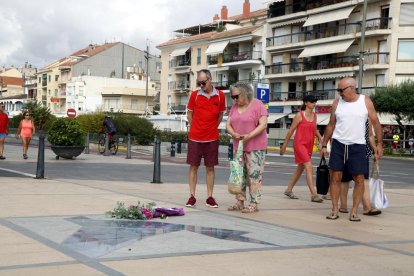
x=3, y=135
x=350, y=157
x=346, y=176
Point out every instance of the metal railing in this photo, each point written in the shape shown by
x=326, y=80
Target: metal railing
x=324, y=32
x=225, y=85
x=242, y=56
x=347, y=61
x=180, y=63
x=279, y=9
x=179, y=85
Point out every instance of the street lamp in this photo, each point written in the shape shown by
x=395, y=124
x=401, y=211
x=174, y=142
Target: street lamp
x=361, y=47
x=146, y=82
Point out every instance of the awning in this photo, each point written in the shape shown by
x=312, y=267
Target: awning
x=330, y=76
x=222, y=68
x=271, y=1
x=389, y=119
x=325, y=49
x=217, y=48
x=275, y=116
x=319, y=18
x=290, y=22
x=179, y=52
x=322, y=119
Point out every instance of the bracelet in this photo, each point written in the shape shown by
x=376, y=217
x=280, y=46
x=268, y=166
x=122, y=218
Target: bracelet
x=324, y=147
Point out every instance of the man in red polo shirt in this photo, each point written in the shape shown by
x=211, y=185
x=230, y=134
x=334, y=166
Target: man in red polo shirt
x=205, y=111
x=4, y=129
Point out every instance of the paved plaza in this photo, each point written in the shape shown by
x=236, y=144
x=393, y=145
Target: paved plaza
x=57, y=226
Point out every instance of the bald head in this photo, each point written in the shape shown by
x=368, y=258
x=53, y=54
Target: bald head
x=347, y=82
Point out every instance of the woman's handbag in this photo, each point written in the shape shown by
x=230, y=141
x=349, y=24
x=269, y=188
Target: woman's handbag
x=322, y=177
x=236, y=171
x=376, y=189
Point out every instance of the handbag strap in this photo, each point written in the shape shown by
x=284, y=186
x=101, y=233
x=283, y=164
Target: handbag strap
x=375, y=169
x=323, y=161
x=239, y=151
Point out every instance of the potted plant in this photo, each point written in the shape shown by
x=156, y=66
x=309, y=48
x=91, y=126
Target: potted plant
x=66, y=137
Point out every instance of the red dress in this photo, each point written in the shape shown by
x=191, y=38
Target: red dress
x=304, y=137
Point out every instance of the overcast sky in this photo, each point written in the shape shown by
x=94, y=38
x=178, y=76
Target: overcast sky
x=42, y=31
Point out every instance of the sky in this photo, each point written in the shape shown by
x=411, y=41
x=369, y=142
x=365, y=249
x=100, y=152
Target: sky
x=42, y=31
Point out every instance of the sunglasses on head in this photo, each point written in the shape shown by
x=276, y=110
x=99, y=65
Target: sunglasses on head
x=340, y=90
x=202, y=83
x=235, y=97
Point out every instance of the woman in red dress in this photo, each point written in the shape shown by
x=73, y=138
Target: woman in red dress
x=305, y=125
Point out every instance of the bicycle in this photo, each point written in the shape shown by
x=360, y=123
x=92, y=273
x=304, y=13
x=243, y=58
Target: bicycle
x=113, y=144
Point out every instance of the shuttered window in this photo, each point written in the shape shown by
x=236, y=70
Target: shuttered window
x=406, y=14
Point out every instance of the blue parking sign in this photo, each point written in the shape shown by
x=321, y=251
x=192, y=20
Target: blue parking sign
x=263, y=92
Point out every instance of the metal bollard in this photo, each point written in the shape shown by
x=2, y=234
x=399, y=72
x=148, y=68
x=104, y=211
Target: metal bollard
x=87, y=144
x=172, y=152
x=230, y=151
x=129, y=147
x=40, y=170
x=157, y=162
x=179, y=146
x=106, y=153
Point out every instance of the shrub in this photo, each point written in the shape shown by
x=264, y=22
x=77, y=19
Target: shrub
x=91, y=123
x=66, y=132
x=141, y=128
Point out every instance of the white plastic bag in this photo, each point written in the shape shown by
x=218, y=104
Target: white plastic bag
x=378, y=197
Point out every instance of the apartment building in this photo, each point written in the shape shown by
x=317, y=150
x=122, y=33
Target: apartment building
x=65, y=84
x=311, y=45
x=232, y=47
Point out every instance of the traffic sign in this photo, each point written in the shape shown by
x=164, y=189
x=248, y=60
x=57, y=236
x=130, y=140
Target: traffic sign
x=263, y=92
x=71, y=113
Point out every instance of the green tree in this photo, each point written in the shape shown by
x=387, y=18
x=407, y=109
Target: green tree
x=91, y=123
x=397, y=100
x=40, y=114
x=139, y=127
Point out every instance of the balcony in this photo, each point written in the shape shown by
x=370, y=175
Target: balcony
x=178, y=108
x=236, y=57
x=225, y=85
x=320, y=64
x=182, y=85
x=381, y=23
x=280, y=9
x=180, y=63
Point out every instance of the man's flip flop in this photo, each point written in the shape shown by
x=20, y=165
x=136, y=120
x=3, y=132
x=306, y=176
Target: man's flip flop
x=372, y=212
x=332, y=216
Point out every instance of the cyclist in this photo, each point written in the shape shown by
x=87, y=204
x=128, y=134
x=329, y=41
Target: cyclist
x=110, y=128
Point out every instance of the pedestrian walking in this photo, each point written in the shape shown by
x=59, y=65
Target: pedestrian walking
x=4, y=129
x=304, y=123
x=205, y=111
x=26, y=130
x=347, y=128
x=247, y=122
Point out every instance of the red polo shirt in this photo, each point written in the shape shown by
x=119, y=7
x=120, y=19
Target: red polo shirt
x=4, y=121
x=206, y=110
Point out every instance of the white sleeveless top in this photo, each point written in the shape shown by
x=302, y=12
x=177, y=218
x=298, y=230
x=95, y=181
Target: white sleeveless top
x=350, y=121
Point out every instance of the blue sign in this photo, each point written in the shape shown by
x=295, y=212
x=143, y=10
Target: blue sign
x=263, y=92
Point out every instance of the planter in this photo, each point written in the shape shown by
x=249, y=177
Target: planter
x=67, y=152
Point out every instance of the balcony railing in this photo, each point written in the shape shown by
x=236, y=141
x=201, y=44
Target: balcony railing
x=179, y=107
x=226, y=58
x=225, y=85
x=347, y=61
x=180, y=63
x=371, y=24
x=278, y=9
x=179, y=85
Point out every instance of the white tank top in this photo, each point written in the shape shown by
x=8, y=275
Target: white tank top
x=350, y=121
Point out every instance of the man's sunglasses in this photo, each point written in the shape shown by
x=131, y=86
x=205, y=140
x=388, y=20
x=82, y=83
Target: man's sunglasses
x=202, y=83
x=235, y=97
x=340, y=90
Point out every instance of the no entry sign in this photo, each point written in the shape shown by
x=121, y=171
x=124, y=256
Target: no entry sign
x=71, y=113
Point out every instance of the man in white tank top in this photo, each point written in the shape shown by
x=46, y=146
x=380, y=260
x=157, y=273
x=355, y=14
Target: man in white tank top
x=347, y=128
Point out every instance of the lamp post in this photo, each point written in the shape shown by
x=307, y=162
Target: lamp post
x=147, y=73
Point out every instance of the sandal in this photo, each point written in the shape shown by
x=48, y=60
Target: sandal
x=327, y=197
x=250, y=209
x=316, y=199
x=291, y=195
x=332, y=216
x=372, y=212
x=343, y=210
x=354, y=217
x=236, y=207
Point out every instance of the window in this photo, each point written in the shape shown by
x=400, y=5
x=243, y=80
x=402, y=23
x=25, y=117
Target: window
x=56, y=77
x=406, y=14
x=198, y=56
x=49, y=77
x=380, y=80
x=40, y=79
x=276, y=91
x=111, y=103
x=48, y=92
x=406, y=50
x=81, y=90
x=134, y=104
x=56, y=92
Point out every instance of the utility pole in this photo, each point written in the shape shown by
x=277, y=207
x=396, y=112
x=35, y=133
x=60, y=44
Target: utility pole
x=146, y=83
x=361, y=47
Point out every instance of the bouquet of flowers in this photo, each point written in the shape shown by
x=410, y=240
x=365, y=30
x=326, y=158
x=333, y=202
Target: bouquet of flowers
x=139, y=211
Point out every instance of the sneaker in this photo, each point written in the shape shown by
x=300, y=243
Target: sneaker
x=210, y=202
x=25, y=156
x=191, y=201
x=2, y=157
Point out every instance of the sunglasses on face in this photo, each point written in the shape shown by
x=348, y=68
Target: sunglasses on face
x=340, y=90
x=235, y=97
x=26, y=115
x=202, y=83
